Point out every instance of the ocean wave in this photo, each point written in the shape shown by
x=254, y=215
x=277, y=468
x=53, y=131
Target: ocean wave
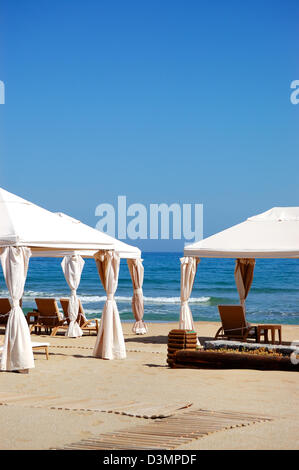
x=30, y=295
x=158, y=300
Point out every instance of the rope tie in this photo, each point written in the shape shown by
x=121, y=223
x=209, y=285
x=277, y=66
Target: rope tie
x=137, y=291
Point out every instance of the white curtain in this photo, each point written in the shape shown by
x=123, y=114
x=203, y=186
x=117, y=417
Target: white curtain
x=137, y=273
x=188, y=271
x=72, y=266
x=110, y=342
x=17, y=349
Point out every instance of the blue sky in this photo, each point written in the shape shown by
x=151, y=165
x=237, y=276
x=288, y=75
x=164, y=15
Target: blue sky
x=161, y=101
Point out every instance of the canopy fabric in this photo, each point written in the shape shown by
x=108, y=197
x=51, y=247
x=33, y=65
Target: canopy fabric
x=72, y=268
x=244, y=276
x=188, y=272
x=271, y=234
x=17, y=349
x=50, y=234
x=23, y=223
x=110, y=342
x=137, y=272
x=123, y=249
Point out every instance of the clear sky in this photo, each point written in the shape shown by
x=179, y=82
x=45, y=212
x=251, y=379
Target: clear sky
x=174, y=101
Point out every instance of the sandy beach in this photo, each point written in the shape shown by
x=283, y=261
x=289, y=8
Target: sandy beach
x=68, y=398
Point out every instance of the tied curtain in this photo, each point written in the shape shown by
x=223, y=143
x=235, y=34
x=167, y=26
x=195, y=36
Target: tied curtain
x=72, y=266
x=17, y=349
x=137, y=272
x=110, y=342
x=244, y=269
x=188, y=272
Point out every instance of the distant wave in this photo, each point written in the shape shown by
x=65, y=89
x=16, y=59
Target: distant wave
x=158, y=300
x=175, y=300
x=30, y=295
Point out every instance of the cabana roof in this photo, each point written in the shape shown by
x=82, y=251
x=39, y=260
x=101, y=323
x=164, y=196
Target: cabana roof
x=271, y=234
x=23, y=223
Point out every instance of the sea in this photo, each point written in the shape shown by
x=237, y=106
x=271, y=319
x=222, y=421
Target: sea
x=273, y=298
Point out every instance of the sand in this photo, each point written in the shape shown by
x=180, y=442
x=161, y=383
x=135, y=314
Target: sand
x=73, y=378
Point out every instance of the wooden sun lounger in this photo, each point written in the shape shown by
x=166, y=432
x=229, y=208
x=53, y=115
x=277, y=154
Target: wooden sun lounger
x=234, y=324
x=5, y=308
x=46, y=316
x=85, y=325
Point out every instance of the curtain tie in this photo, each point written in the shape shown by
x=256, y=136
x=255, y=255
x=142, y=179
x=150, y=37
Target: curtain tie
x=15, y=303
x=110, y=297
x=137, y=291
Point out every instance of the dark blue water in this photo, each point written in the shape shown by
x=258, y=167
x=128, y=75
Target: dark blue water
x=274, y=296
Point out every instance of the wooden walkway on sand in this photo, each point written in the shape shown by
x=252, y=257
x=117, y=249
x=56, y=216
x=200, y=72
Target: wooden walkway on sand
x=168, y=433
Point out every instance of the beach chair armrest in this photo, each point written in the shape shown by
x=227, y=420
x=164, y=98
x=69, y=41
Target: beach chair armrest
x=252, y=331
x=32, y=315
x=218, y=332
x=91, y=321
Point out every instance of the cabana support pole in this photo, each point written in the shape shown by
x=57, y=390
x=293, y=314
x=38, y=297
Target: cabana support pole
x=72, y=266
x=244, y=270
x=137, y=272
x=188, y=272
x=110, y=342
x=17, y=349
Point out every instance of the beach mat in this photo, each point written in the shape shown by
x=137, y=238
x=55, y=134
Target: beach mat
x=169, y=433
x=136, y=409
x=214, y=359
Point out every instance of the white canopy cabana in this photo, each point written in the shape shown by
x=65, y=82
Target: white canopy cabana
x=134, y=261
x=271, y=234
x=29, y=230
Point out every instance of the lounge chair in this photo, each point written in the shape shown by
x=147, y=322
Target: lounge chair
x=234, y=324
x=5, y=308
x=85, y=325
x=47, y=316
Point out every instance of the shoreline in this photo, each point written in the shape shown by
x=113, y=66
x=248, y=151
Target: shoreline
x=207, y=321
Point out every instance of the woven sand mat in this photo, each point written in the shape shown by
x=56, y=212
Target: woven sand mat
x=168, y=433
x=129, y=408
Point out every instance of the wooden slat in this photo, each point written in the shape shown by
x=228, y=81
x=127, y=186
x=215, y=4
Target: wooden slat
x=129, y=408
x=168, y=433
